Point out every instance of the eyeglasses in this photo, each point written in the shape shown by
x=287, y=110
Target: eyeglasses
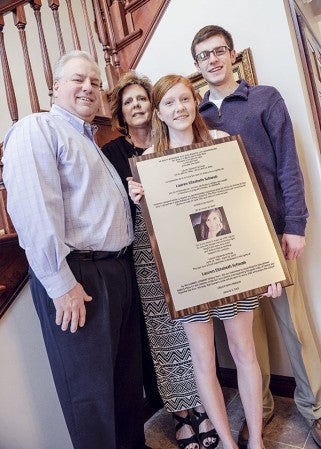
x=217, y=51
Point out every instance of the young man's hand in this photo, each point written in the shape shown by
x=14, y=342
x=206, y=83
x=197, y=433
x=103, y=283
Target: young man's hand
x=292, y=246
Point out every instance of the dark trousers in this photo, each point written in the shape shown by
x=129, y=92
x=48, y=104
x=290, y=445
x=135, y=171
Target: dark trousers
x=97, y=370
x=153, y=398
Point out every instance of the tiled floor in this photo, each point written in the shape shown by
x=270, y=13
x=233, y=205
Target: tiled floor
x=287, y=430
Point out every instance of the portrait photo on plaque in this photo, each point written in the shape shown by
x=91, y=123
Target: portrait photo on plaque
x=210, y=223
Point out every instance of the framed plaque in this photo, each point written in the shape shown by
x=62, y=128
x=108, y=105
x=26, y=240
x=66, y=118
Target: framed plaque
x=211, y=235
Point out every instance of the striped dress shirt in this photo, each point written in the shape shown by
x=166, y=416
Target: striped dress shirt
x=63, y=194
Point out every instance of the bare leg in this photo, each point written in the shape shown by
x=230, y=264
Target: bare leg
x=241, y=344
x=201, y=341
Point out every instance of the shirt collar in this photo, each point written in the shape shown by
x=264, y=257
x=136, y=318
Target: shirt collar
x=83, y=127
x=241, y=92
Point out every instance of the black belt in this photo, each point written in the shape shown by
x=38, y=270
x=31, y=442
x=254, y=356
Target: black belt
x=95, y=255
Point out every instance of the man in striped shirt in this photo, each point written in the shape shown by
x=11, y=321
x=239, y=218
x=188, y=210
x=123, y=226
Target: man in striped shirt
x=72, y=216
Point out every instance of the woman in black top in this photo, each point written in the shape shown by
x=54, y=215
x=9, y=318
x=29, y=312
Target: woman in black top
x=131, y=115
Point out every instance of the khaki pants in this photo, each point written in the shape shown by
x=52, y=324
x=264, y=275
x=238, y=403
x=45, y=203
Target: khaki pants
x=301, y=345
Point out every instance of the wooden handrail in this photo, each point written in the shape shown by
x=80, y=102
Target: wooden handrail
x=9, y=5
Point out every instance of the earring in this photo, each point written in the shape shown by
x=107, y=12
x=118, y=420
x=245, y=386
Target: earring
x=126, y=129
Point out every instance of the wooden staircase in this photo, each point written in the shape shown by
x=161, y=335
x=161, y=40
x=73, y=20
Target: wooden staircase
x=115, y=32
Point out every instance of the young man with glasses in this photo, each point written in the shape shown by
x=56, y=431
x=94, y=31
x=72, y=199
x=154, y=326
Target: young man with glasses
x=260, y=116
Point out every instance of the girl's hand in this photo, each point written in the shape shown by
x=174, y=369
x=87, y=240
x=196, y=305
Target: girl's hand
x=274, y=291
x=135, y=189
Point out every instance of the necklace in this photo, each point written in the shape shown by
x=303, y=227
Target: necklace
x=137, y=151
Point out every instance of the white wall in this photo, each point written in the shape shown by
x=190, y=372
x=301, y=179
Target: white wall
x=30, y=416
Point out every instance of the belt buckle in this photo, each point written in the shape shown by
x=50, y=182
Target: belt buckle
x=88, y=254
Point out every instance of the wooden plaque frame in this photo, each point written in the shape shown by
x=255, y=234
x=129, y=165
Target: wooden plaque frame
x=248, y=267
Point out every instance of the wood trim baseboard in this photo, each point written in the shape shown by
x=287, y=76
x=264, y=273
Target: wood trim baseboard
x=279, y=385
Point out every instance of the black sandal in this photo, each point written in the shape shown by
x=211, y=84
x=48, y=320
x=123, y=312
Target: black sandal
x=182, y=421
x=202, y=436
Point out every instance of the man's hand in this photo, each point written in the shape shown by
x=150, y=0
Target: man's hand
x=292, y=246
x=70, y=308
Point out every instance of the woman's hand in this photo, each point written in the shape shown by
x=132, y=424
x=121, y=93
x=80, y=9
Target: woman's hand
x=274, y=290
x=135, y=190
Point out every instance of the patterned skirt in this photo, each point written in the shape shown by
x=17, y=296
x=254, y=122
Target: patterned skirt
x=168, y=342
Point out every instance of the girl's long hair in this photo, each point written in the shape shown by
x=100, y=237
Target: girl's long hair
x=203, y=226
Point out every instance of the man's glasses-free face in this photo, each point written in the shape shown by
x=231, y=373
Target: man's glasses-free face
x=217, y=51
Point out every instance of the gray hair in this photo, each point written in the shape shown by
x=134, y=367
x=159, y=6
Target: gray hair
x=60, y=64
